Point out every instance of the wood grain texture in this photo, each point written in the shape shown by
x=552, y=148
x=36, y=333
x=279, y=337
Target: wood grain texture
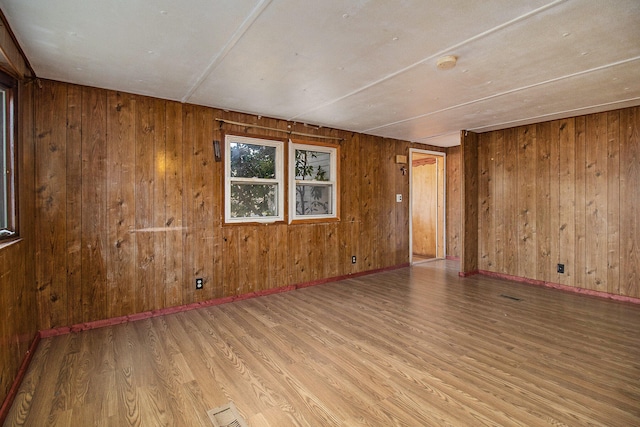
x=543, y=201
x=486, y=226
x=526, y=201
x=73, y=216
x=121, y=202
x=613, y=199
x=51, y=201
x=629, y=201
x=469, y=189
x=131, y=204
x=444, y=351
x=595, y=203
x=93, y=252
x=454, y=202
x=575, y=200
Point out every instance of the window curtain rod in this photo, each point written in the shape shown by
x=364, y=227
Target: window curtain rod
x=290, y=132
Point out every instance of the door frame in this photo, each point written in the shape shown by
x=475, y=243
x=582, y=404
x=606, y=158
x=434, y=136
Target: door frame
x=444, y=202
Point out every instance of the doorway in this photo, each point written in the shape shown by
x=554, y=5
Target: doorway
x=427, y=238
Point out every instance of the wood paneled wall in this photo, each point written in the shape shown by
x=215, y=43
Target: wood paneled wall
x=18, y=324
x=454, y=214
x=129, y=207
x=564, y=191
x=469, y=203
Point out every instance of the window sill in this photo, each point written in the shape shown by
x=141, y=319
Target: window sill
x=253, y=223
x=9, y=242
x=315, y=220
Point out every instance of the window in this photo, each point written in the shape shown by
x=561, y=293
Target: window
x=8, y=226
x=313, y=182
x=254, y=179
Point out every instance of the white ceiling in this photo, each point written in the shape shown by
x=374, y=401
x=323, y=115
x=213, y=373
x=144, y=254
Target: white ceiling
x=361, y=65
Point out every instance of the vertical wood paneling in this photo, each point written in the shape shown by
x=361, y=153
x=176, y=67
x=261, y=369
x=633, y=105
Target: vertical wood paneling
x=554, y=199
x=575, y=199
x=74, y=204
x=50, y=203
x=172, y=294
x=351, y=171
x=630, y=201
x=190, y=233
x=121, y=203
x=596, y=203
x=150, y=165
x=469, y=180
x=367, y=182
x=526, y=219
x=613, y=202
x=159, y=216
x=510, y=194
x=498, y=199
x=9, y=358
x=93, y=250
x=453, y=202
x=567, y=166
x=543, y=201
x=387, y=203
x=145, y=255
x=250, y=259
x=230, y=276
x=486, y=227
x=203, y=200
x=579, y=273
x=401, y=226
x=140, y=201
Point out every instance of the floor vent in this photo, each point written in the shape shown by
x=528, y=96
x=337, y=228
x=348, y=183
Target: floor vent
x=226, y=416
x=510, y=297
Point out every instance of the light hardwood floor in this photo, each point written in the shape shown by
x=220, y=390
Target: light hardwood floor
x=417, y=346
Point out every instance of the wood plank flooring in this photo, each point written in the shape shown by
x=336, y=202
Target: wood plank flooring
x=412, y=347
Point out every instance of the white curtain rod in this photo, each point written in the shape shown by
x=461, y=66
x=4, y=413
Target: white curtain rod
x=290, y=132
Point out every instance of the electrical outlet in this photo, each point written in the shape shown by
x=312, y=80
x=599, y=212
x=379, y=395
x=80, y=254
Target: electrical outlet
x=353, y=259
x=199, y=283
x=398, y=198
x=561, y=268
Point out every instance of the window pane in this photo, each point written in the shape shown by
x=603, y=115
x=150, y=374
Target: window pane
x=254, y=200
x=313, y=200
x=252, y=161
x=313, y=165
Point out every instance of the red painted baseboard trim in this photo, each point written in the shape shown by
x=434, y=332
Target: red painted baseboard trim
x=561, y=287
x=13, y=391
x=177, y=309
x=468, y=273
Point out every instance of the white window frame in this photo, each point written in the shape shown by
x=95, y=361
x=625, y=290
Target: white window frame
x=333, y=180
x=279, y=179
